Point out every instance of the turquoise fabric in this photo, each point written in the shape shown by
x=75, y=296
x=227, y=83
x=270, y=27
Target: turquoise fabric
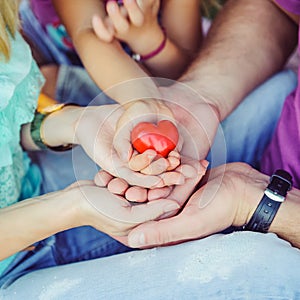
x=20, y=83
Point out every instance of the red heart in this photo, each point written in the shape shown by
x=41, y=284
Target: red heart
x=162, y=137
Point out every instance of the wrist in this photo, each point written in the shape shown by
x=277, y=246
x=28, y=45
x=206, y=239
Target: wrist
x=150, y=44
x=284, y=222
x=69, y=204
x=58, y=128
x=254, y=184
x=280, y=183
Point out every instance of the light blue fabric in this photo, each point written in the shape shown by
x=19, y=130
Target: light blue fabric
x=241, y=265
x=6, y=262
x=246, y=132
x=20, y=83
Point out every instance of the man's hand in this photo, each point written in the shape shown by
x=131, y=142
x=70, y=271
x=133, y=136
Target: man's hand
x=229, y=198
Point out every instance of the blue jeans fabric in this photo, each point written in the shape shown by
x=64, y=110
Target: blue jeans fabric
x=245, y=133
x=70, y=246
x=76, y=86
x=241, y=265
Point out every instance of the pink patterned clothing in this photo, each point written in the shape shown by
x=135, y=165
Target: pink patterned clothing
x=284, y=150
x=47, y=17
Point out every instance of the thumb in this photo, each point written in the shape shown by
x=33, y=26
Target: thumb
x=122, y=145
x=102, y=29
x=161, y=232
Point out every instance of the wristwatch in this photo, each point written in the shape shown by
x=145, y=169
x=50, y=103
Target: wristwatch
x=274, y=195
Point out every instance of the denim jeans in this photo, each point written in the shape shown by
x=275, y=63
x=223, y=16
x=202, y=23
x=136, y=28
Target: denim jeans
x=70, y=246
x=245, y=133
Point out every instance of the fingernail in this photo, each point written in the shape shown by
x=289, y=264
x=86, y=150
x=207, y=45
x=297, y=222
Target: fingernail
x=204, y=163
x=136, y=240
x=171, y=207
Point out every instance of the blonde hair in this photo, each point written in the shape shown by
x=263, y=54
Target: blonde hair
x=8, y=24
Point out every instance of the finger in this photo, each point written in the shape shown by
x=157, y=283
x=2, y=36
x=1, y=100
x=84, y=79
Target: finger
x=141, y=161
x=136, y=16
x=119, y=21
x=117, y=186
x=151, y=210
x=122, y=142
x=191, y=168
x=136, y=194
x=138, y=179
x=102, y=30
x=172, y=178
x=181, y=193
x=102, y=178
x=160, y=193
x=79, y=183
x=156, y=167
x=136, y=112
x=187, y=171
x=162, y=232
x=174, y=154
x=174, y=162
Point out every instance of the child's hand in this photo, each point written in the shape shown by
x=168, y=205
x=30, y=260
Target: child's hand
x=95, y=130
x=148, y=162
x=134, y=23
x=189, y=169
x=153, y=111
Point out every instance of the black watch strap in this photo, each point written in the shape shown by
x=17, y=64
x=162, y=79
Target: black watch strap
x=274, y=195
x=263, y=215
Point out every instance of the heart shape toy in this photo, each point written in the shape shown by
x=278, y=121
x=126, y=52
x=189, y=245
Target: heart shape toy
x=162, y=137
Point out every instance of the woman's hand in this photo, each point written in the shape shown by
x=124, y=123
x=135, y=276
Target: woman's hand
x=95, y=131
x=112, y=214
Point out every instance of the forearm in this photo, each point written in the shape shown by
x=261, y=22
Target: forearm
x=34, y=219
x=286, y=223
x=109, y=65
x=58, y=128
x=248, y=41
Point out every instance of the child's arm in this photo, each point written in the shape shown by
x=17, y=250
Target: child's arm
x=107, y=63
x=170, y=46
x=182, y=22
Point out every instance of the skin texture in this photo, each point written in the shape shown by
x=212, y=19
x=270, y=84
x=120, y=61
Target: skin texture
x=232, y=191
x=85, y=203
x=229, y=198
x=81, y=204
x=86, y=21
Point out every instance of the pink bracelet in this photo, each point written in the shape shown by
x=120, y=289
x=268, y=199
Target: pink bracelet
x=139, y=57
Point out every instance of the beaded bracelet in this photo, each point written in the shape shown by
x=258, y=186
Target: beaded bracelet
x=139, y=57
x=36, y=124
